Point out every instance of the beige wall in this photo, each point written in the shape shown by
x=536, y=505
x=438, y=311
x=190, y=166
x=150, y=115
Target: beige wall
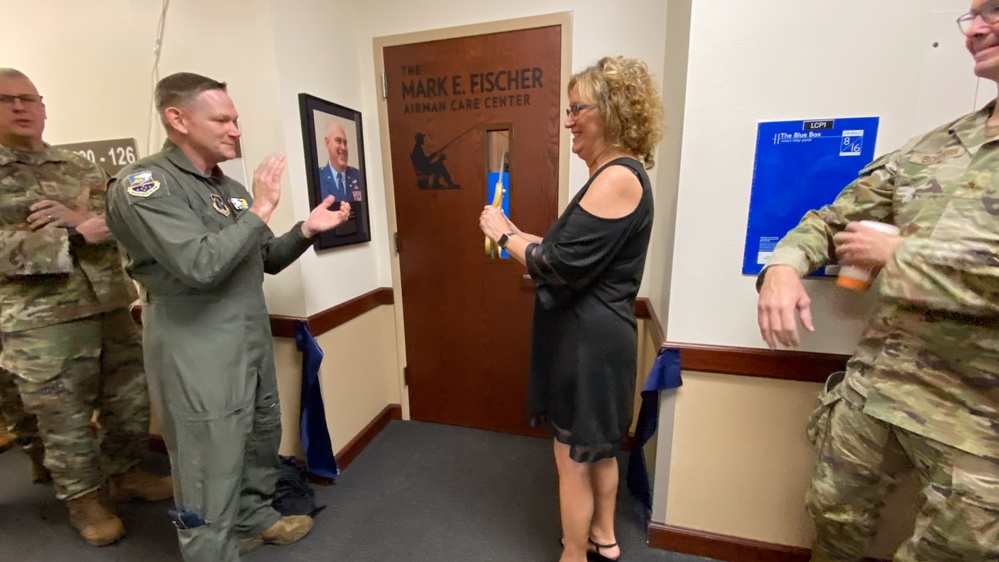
x=723, y=457
x=740, y=462
x=357, y=377
x=732, y=455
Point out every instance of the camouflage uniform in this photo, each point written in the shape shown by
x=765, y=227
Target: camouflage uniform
x=19, y=425
x=200, y=257
x=923, y=383
x=67, y=333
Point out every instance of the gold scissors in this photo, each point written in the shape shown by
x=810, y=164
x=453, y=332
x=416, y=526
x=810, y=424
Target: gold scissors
x=492, y=248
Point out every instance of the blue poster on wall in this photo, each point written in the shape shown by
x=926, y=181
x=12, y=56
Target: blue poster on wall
x=800, y=165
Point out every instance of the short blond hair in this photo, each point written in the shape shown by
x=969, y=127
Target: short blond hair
x=629, y=101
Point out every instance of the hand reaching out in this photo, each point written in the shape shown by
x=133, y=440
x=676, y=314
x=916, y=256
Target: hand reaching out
x=322, y=218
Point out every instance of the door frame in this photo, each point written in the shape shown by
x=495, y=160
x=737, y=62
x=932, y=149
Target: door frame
x=563, y=19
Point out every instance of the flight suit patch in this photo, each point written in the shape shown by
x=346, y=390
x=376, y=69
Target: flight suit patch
x=141, y=184
x=239, y=204
x=219, y=204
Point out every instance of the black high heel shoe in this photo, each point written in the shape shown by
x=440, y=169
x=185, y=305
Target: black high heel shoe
x=595, y=556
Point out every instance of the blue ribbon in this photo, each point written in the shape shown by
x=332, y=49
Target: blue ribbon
x=319, y=459
x=665, y=375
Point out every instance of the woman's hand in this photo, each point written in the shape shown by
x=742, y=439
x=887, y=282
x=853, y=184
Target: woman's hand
x=494, y=223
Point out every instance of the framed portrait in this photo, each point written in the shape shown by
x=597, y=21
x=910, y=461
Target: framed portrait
x=334, y=161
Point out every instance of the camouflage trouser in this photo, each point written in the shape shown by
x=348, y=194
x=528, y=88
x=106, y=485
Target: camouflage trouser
x=19, y=424
x=858, y=458
x=66, y=372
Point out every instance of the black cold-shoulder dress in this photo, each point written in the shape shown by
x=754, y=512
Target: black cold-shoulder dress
x=584, y=342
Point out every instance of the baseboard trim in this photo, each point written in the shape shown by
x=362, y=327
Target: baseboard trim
x=725, y=547
x=349, y=452
x=721, y=547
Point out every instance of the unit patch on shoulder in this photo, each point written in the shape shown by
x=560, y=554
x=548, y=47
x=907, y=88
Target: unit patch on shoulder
x=219, y=204
x=239, y=204
x=141, y=184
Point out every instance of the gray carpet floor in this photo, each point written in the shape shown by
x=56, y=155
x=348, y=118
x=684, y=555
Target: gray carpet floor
x=418, y=492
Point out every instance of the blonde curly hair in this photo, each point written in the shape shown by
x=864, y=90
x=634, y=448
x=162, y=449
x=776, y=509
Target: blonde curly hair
x=629, y=101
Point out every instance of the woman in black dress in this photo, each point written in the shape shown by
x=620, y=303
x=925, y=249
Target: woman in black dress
x=588, y=268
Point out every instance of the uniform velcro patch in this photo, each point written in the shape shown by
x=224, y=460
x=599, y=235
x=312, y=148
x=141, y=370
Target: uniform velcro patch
x=141, y=184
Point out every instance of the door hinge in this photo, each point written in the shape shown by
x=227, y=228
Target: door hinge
x=405, y=375
x=395, y=240
x=384, y=87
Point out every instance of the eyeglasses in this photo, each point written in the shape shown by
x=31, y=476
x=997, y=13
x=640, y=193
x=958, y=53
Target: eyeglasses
x=989, y=13
x=26, y=99
x=576, y=108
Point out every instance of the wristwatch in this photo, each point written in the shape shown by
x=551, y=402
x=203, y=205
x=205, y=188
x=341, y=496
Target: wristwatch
x=504, y=239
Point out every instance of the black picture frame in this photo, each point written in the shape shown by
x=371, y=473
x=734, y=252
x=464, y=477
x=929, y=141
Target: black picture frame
x=317, y=116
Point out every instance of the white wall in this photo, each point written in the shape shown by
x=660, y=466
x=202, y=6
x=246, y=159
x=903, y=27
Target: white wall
x=600, y=28
x=317, y=49
x=93, y=61
x=269, y=52
x=783, y=60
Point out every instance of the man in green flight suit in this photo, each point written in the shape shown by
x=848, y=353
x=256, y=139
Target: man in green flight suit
x=923, y=383
x=199, y=246
x=68, y=336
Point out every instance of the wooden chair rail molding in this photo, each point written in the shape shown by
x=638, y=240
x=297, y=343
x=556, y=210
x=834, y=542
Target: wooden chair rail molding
x=747, y=361
x=803, y=366
x=322, y=322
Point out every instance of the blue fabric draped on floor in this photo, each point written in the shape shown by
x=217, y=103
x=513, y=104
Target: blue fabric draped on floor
x=316, y=442
x=665, y=375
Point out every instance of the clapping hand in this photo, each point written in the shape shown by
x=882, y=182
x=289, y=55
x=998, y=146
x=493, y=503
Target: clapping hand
x=323, y=218
x=267, y=186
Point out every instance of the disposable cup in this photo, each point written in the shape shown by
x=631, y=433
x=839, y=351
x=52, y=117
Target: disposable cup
x=860, y=278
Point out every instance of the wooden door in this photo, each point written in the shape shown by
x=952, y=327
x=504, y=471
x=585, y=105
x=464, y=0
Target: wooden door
x=452, y=104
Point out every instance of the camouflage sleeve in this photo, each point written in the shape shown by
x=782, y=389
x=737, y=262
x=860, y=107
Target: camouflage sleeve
x=959, y=276
x=34, y=252
x=167, y=226
x=280, y=251
x=809, y=245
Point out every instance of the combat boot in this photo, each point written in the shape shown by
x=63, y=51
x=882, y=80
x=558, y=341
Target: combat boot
x=93, y=520
x=36, y=452
x=139, y=484
x=288, y=529
x=6, y=439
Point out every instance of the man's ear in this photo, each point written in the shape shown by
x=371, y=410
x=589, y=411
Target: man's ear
x=176, y=118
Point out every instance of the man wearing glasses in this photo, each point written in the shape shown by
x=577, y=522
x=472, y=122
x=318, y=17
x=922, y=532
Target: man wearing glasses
x=922, y=388
x=68, y=336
